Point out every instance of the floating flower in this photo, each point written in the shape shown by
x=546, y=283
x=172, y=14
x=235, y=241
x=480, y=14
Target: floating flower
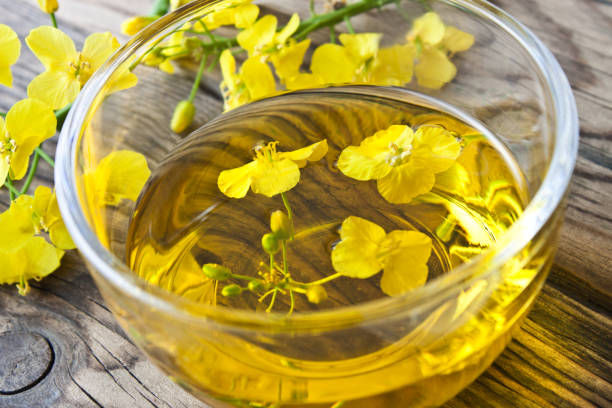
x=67, y=70
x=403, y=162
x=28, y=123
x=34, y=260
x=435, y=42
x=254, y=81
x=120, y=175
x=365, y=249
x=10, y=47
x=271, y=172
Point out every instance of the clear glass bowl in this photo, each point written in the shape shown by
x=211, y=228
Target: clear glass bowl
x=427, y=345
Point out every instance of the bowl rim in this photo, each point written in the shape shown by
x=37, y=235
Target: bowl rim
x=541, y=207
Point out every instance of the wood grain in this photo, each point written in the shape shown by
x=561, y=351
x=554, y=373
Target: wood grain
x=560, y=358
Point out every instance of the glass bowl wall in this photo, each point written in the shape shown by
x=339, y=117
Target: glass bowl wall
x=507, y=81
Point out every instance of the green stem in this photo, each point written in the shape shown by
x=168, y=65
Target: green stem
x=272, y=301
x=349, y=25
x=13, y=192
x=289, y=212
x=285, y=266
x=53, y=19
x=292, y=306
x=271, y=263
x=45, y=156
x=3, y=114
x=324, y=280
x=332, y=34
x=61, y=114
x=311, y=7
x=31, y=173
x=243, y=277
x=198, y=78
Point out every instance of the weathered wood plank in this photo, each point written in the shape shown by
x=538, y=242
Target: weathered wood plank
x=560, y=358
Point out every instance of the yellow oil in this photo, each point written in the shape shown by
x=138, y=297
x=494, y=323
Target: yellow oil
x=182, y=221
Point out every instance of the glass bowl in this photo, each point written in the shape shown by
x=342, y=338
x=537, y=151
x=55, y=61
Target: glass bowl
x=418, y=349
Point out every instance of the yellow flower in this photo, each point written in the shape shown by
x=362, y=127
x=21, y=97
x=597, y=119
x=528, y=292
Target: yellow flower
x=34, y=260
x=66, y=70
x=403, y=162
x=261, y=38
x=10, y=47
x=28, y=123
x=271, y=172
x=254, y=81
x=133, y=25
x=121, y=174
x=48, y=6
x=288, y=60
x=393, y=65
x=240, y=15
x=365, y=249
x=16, y=224
x=47, y=217
x=435, y=42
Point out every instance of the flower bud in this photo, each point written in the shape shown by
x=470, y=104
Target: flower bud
x=280, y=225
x=48, y=6
x=192, y=43
x=133, y=25
x=255, y=285
x=316, y=294
x=217, y=272
x=269, y=242
x=183, y=116
x=231, y=290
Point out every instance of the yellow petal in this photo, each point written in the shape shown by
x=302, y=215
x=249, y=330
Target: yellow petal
x=303, y=81
x=16, y=226
x=442, y=148
x=356, y=255
x=52, y=47
x=405, y=182
x=333, y=64
x=283, y=35
x=55, y=88
x=34, y=260
x=258, y=35
x=434, y=69
x=361, y=46
x=228, y=69
x=58, y=233
x=123, y=79
x=133, y=25
x=4, y=167
x=429, y=28
x=10, y=48
x=235, y=183
x=405, y=261
x=274, y=177
x=314, y=152
x=394, y=65
x=473, y=223
x=42, y=198
x=288, y=60
x=456, y=40
x=258, y=78
x=454, y=180
x=123, y=173
x=245, y=15
x=29, y=122
x=97, y=48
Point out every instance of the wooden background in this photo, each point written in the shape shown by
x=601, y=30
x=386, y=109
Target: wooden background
x=60, y=345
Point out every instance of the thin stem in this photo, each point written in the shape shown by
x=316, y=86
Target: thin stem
x=53, y=19
x=3, y=114
x=45, y=156
x=198, y=78
x=289, y=212
x=13, y=192
x=271, y=263
x=332, y=34
x=243, y=277
x=31, y=173
x=349, y=25
x=271, y=305
x=292, y=306
x=60, y=115
x=311, y=7
x=324, y=280
x=285, y=266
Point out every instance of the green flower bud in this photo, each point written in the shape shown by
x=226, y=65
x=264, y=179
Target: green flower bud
x=255, y=285
x=192, y=43
x=280, y=225
x=217, y=272
x=231, y=290
x=316, y=294
x=183, y=116
x=269, y=242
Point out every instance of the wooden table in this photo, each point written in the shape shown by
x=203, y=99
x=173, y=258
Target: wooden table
x=60, y=345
